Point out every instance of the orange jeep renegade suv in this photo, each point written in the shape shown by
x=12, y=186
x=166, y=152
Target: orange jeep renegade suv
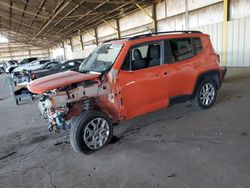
x=125, y=78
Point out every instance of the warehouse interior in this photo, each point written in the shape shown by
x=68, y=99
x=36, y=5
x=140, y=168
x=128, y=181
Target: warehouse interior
x=172, y=147
x=71, y=29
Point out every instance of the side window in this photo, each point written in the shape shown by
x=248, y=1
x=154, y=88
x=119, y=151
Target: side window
x=143, y=56
x=197, y=45
x=48, y=66
x=143, y=51
x=181, y=49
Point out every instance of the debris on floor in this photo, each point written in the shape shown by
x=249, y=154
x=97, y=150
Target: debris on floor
x=172, y=175
x=244, y=134
x=58, y=143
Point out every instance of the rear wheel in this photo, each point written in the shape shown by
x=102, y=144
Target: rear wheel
x=90, y=131
x=206, y=94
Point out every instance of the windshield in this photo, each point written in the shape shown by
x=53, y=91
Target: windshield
x=101, y=59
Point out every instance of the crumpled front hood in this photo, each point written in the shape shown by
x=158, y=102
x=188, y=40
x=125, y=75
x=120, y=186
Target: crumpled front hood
x=58, y=80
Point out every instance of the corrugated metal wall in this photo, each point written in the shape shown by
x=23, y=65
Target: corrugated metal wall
x=238, y=43
x=17, y=51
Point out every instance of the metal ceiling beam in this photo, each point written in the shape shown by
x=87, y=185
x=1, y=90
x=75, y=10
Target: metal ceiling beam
x=51, y=24
x=56, y=12
x=10, y=12
x=110, y=1
x=24, y=9
x=86, y=22
x=38, y=11
x=18, y=22
x=66, y=15
x=14, y=29
x=18, y=9
x=98, y=6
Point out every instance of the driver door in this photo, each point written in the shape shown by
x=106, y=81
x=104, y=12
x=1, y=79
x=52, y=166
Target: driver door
x=143, y=90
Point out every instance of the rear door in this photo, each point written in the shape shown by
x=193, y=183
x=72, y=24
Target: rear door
x=181, y=73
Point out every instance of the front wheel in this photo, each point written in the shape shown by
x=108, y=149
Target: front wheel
x=206, y=94
x=90, y=131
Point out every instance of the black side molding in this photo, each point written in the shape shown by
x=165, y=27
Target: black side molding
x=179, y=99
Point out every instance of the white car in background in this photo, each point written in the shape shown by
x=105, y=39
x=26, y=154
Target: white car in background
x=22, y=64
x=9, y=66
x=20, y=75
x=34, y=65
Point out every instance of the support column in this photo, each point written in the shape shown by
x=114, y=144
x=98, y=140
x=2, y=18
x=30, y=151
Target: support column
x=96, y=37
x=29, y=52
x=49, y=53
x=10, y=52
x=118, y=29
x=225, y=31
x=154, y=18
x=81, y=41
x=186, y=15
x=64, y=51
x=71, y=46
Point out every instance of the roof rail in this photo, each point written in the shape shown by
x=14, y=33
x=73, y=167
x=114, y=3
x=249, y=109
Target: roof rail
x=113, y=39
x=164, y=32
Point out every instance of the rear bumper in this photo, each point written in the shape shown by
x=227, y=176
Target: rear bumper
x=223, y=71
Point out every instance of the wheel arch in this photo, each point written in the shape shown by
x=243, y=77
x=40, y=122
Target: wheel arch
x=213, y=74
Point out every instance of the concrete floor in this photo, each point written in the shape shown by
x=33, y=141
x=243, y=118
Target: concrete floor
x=175, y=147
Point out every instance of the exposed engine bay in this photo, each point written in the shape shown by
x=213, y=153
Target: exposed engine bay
x=60, y=105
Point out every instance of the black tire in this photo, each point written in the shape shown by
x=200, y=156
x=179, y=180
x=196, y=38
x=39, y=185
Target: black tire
x=78, y=126
x=17, y=102
x=197, y=101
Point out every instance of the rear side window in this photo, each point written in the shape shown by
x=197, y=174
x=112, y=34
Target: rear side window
x=197, y=45
x=181, y=49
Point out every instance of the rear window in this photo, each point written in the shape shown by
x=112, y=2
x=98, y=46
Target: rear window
x=32, y=59
x=197, y=45
x=43, y=61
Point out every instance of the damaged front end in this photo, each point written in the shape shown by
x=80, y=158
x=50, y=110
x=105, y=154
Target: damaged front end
x=62, y=102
